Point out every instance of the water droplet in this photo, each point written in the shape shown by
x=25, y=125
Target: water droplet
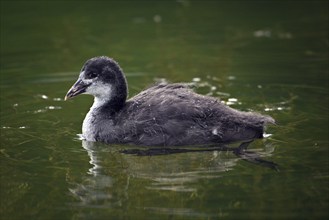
x=39, y=111
x=232, y=100
x=43, y=96
x=53, y=107
x=196, y=79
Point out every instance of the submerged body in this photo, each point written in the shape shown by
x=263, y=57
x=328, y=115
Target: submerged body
x=162, y=115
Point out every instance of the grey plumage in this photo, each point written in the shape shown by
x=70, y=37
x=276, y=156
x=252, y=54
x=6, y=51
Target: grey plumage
x=162, y=115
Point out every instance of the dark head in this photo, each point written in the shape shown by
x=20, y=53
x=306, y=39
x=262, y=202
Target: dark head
x=103, y=78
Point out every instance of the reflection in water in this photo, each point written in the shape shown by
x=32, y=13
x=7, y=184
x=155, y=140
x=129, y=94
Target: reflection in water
x=107, y=182
x=96, y=186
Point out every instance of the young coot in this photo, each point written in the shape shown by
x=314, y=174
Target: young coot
x=162, y=115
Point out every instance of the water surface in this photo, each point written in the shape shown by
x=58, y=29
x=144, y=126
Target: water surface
x=270, y=57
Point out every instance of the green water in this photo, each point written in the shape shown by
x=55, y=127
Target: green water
x=265, y=56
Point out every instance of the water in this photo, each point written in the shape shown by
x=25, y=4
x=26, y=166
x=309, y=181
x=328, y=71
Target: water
x=270, y=57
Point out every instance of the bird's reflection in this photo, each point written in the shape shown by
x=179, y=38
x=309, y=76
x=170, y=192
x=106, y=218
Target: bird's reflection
x=94, y=159
x=113, y=168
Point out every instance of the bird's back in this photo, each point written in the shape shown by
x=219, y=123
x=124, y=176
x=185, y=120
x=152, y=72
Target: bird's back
x=172, y=114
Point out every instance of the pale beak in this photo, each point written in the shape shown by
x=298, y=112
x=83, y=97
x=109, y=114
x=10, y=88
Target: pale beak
x=79, y=87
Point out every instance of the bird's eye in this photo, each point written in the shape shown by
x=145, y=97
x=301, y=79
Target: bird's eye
x=91, y=75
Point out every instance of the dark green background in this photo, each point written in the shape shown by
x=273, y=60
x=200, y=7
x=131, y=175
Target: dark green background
x=272, y=56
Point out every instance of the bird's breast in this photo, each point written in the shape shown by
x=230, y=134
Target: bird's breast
x=89, y=127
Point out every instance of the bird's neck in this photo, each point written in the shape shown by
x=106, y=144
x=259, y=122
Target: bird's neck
x=114, y=97
x=99, y=102
x=112, y=103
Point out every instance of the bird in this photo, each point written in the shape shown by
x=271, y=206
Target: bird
x=164, y=114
